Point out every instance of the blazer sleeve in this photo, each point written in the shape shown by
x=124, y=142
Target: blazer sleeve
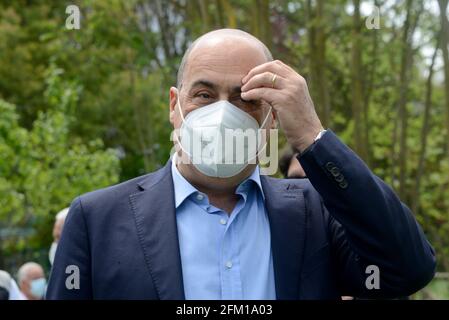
x=70, y=276
x=368, y=225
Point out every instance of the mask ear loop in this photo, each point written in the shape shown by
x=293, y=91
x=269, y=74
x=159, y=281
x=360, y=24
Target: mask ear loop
x=262, y=128
x=266, y=118
x=180, y=111
x=178, y=104
x=258, y=134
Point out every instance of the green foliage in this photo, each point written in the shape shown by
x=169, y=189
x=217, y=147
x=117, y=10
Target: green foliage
x=117, y=69
x=43, y=169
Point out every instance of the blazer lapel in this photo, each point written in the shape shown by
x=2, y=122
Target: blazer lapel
x=154, y=213
x=287, y=215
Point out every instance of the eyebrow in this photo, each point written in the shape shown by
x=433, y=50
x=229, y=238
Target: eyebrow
x=213, y=86
x=205, y=83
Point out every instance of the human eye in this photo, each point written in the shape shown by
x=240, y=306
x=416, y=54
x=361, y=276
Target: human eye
x=202, y=97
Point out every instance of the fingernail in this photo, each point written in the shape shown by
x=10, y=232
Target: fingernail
x=244, y=79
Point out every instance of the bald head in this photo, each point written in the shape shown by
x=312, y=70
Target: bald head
x=222, y=39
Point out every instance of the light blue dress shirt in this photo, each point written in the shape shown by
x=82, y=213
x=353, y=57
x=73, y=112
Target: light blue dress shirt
x=222, y=256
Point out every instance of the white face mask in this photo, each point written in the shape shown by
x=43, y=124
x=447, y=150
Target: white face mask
x=220, y=138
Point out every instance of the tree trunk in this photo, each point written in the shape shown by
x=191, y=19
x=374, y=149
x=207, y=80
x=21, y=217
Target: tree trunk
x=402, y=104
x=260, y=21
x=317, y=58
x=205, y=17
x=219, y=14
x=368, y=88
x=138, y=118
x=164, y=27
x=424, y=134
x=356, y=78
x=404, y=79
x=444, y=48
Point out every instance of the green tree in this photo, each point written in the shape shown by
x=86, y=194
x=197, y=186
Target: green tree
x=43, y=169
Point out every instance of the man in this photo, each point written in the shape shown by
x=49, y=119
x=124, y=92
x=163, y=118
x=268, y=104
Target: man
x=208, y=230
x=290, y=166
x=32, y=282
x=57, y=231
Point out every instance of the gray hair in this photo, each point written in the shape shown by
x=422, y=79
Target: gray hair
x=233, y=32
x=61, y=215
x=22, y=274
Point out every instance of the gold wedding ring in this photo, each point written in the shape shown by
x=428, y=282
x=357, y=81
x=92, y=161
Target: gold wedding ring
x=273, y=80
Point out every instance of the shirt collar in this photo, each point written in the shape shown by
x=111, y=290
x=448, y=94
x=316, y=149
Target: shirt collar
x=183, y=189
x=255, y=177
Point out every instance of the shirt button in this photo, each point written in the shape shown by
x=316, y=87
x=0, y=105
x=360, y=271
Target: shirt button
x=199, y=197
x=223, y=221
x=229, y=264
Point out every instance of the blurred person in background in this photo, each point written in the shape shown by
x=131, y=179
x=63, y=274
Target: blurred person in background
x=8, y=287
x=15, y=293
x=290, y=166
x=5, y=285
x=57, y=230
x=32, y=282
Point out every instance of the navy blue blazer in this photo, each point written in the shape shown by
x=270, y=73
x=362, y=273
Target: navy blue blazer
x=325, y=231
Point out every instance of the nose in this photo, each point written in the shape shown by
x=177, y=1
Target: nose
x=223, y=96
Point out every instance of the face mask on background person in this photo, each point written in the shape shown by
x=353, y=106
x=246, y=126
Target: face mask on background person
x=209, y=124
x=37, y=287
x=52, y=252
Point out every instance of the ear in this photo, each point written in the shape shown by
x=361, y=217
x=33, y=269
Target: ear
x=173, y=101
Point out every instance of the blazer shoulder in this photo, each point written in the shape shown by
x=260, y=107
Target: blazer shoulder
x=113, y=194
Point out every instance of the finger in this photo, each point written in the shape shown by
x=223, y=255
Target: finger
x=264, y=80
x=276, y=67
x=266, y=94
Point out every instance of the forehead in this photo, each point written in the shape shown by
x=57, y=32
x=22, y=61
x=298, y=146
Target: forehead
x=223, y=62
